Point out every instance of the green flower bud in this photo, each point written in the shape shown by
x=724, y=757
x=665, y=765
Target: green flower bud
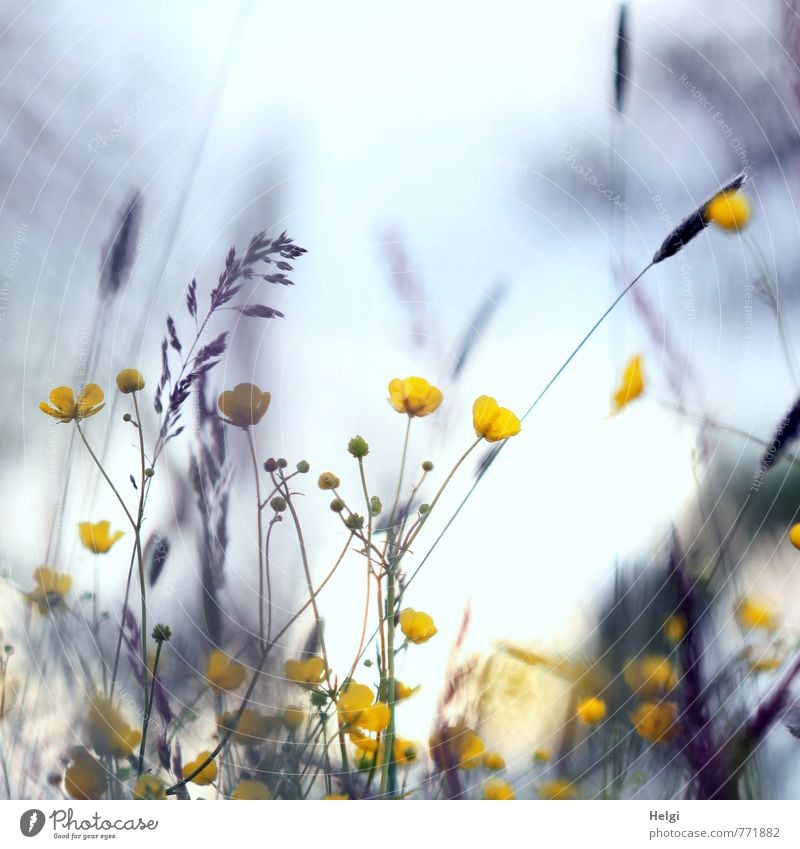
x=337, y=505
x=148, y=472
x=278, y=504
x=355, y=522
x=423, y=509
x=303, y=467
x=162, y=633
x=427, y=466
x=319, y=699
x=127, y=417
x=375, y=506
x=282, y=464
x=358, y=447
x=328, y=480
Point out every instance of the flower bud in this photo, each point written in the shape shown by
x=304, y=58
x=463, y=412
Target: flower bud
x=427, y=466
x=278, y=504
x=328, y=480
x=355, y=522
x=127, y=417
x=358, y=447
x=148, y=472
x=337, y=505
x=162, y=633
x=423, y=509
x=130, y=380
x=375, y=506
x=271, y=465
x=303, y=467
x=282, y=464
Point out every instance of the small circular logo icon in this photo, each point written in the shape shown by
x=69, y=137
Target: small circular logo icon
x=31, y=822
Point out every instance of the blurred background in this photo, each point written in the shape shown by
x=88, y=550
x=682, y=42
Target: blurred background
x=471, y=201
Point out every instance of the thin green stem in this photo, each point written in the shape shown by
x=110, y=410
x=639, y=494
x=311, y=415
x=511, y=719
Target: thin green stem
x=259, y=509
x=149, y=709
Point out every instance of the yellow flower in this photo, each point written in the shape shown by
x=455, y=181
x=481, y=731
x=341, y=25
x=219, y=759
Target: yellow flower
x=498, y=790
x=631, y=385
x=355, y=707
x=794, y=535
x=592, y=710
x=85, y=777
x=418, y=627
x=675, y=628
x=309, y=671
x=149, y=787
x=730, y=210
x=558, y=788
x=96, y=536
x=753, y=613
x=763, y=658
x=651, y=675
x=457, y=744
x=108, y=732
x=328, y=480
x=50, y=589
x=207, y=775
x=414, y=396
x=65, y=408
x=250, y=790
x=494, y=761
x=336, y=797
x=362, y=742
x=223, y=672
x=493, y=422
x=656, y=722
x=244, y=405
x=293, y=717
x=405, y=751
x=403, y=691
x=252, y=728
x=542, y=755
x=130, y=380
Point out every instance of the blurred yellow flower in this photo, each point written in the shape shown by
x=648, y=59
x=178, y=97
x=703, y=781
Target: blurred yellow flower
x=244, y=405
x=149, y=787
x=763, y=658
x=223, y=672
x=403, y=691
x=355, y=707
x=656, y=722
x=675, y=628
x=85, y=777
x=130, y=380
x=66, y=409
x=253, y=727
x=752, y=614
x=592, y=710
x=494, y=761
x=405, y=751
x=418, y=627
x=336, y=797
x=414, y=396
x=729, y=210
x=207, y=775
x=631, y=385
x=250, y=790
x=498, y=790
x=558, y=788
x=542, y=755
x=108, y=732
x=96, y=536
x=293, y=717
x=362, y=742
x=493, y=422
x=651, y=675
x=50, y=589
x=794, y=535
x=309, y=671
x=457, y=744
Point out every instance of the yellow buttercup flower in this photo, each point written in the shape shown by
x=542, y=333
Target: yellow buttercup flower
x=558, y=788
x=631, y=385
x=108, y=732
x=651, y=675
x=244, y=405
x=414, y=396
x=542, y=755
x=753, y=614
x=418, y=627
x=85, y=777
x=149, y=787
x=729, y=210
x=362, y=742
x=50, y=589
x=253, y=727
x=336, y=797
x=656, y=722
x=403, y=691
x=592, y=710
x=494, y=761
x=497, y=790
x=293, y=717
x=207, y=775
x=492, y=422
x=675, y=628
x=309, y=671
x=794, y=535
x=130, y=380
x=405, y=751
x=250, y=790
x=223, y=672
x=357, y=708
x=457, y=744
x=66, y=409
x=97, y=536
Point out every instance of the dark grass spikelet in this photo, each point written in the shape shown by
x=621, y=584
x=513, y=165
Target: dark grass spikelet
x=786, y=432
x=472, y=335
x=622, y=57
x=119, y=252
x=775, y=706
x=156, y=553
x=693, y=224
